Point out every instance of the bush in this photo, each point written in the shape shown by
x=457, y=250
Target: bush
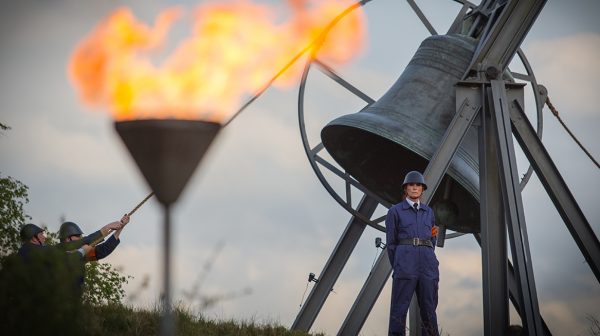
x=103, y=284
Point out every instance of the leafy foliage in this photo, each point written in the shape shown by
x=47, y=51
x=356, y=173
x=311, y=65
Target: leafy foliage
x=103, y=284
x=13, y=195
x=40, y=292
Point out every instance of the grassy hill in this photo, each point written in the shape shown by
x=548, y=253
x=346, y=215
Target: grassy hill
x=116, y=320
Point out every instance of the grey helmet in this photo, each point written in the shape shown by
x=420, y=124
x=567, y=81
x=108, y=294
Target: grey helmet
x=68, y=229
x=414, y=177
x=29, y=231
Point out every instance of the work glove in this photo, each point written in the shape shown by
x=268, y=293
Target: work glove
x=434, y=231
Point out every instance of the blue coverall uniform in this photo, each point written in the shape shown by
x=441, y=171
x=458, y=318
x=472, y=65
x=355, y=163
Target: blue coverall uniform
x=415, y=267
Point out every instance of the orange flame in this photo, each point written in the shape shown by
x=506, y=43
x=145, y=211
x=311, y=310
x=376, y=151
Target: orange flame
x=233, y=50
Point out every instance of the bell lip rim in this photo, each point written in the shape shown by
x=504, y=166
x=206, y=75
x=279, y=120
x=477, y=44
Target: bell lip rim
x=369, y=128
x=452, y=171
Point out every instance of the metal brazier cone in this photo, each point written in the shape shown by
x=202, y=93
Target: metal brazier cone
x=167, y=151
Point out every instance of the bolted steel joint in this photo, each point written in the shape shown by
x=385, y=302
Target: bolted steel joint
x=492, y=72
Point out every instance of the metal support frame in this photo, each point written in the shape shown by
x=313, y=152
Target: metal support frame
x=512, y=290
x=505, y=34
x=433, y=175
x=556, y=187
x=513, y=211
x=500, y=211
x=334, y=266
x=494, y=256
x=507, y=25
x=422, y=17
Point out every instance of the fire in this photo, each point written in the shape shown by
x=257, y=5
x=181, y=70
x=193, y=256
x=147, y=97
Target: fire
x=232, y=51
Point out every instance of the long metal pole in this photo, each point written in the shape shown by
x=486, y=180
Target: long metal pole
x=334, y=266
x=167, y=326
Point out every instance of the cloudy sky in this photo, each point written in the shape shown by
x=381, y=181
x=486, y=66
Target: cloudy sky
x=256, y=195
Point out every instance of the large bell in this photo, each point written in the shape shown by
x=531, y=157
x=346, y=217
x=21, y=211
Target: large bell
x=401, y=131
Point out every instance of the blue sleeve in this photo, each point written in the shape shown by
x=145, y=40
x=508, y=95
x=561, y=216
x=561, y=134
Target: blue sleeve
x=106, y=248
x=92, y=238
x=390, y=234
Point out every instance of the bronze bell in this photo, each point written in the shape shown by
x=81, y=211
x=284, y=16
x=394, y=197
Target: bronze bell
x=401, y=131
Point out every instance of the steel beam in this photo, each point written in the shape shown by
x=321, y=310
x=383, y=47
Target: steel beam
x=513, y=291
x=433, y=175
x=556, y=187
x=493, y=230
x=513, y=209
x=334, y=266
x=422, y=17
x=368, y=295
x=513, y=295
x=507, y=32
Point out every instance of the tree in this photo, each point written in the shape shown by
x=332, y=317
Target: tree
x=103, y=284
x=13, y=195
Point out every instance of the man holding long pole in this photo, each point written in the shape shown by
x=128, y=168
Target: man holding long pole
x=70, y=231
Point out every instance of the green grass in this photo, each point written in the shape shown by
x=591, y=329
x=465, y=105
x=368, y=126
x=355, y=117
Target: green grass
x=116, y=320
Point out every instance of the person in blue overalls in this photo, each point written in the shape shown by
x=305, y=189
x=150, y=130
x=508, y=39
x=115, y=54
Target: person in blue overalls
x=411, y=238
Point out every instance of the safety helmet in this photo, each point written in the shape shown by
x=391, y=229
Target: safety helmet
x=68, y=229
x=414, y=177
x=29, y=231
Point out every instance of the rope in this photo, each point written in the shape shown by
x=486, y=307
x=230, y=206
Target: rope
x=305, y=289
x=555, y=112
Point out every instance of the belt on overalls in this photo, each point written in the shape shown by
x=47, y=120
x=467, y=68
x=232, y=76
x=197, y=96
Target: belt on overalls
x=416, y=242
